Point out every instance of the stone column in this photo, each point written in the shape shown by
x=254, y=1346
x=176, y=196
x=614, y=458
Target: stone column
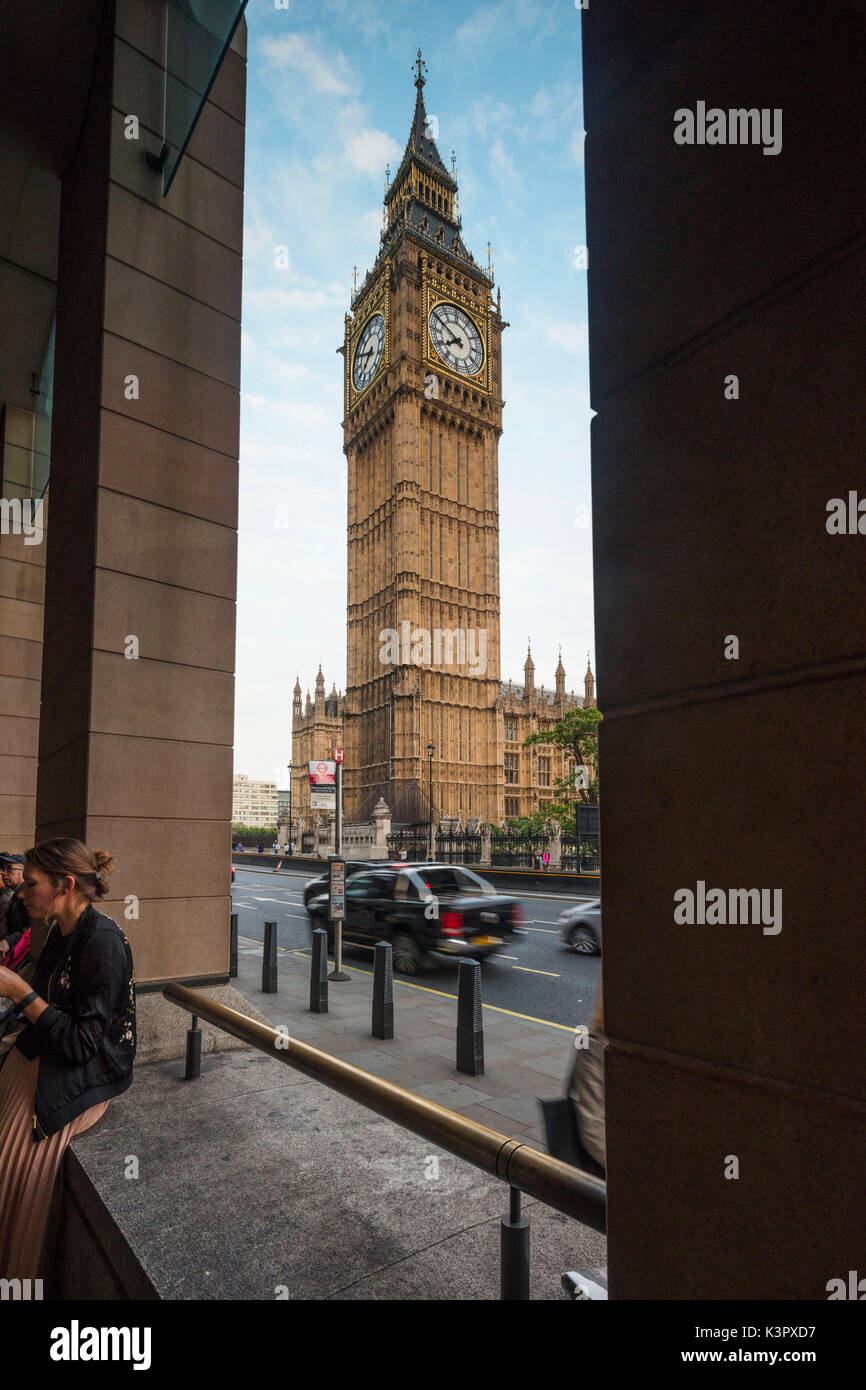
x=727, y=383
x=486, y=840
x=137, y=675
x=381, y=829
x=554, y=845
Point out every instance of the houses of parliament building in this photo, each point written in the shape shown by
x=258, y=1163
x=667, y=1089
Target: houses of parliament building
x=422, y=421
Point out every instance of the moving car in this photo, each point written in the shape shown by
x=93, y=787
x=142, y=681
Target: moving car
x=314, y=886
x=466, y=878
x=429, y=912
x=580, y=927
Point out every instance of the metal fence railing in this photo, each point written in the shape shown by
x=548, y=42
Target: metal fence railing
x=514, y=849
x=580, y=857
x=458, y=849
x=414, y=839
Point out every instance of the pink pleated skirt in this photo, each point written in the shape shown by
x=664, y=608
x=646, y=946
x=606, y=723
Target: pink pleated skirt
x=28, y=1171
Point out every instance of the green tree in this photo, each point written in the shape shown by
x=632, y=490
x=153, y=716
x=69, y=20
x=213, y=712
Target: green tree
x=526, y=825
x=576, y=734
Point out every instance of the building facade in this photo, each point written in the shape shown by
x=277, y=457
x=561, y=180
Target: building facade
x=530, y=774
x=254, y=803
x=425, y=714
x=317, y=729
x=120, y=298
x=527, y=777
x=423, y=417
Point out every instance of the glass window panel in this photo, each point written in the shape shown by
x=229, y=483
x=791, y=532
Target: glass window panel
x=197, y=34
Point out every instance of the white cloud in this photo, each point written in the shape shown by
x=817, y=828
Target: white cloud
x=325, y=72
x=503, y=164
x=571, y=336
x=481, y=26
x=296, y=301
x=370, y=150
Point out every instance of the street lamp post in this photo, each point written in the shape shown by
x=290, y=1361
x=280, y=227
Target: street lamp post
x=431, y=749
x=291, y=768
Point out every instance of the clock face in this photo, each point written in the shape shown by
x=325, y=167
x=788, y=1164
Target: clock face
x=456, y=339
x=368, y=353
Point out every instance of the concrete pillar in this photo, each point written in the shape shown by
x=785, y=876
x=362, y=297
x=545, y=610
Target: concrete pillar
x=136, y=754
x=381, y=829
x=22, y=588
x=486, y=840
x=735, y=1080
x=554, y=845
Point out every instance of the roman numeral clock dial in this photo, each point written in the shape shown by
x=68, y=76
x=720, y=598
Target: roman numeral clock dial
x=368, y=353
x=456, y=339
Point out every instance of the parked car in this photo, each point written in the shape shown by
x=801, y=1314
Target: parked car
x=580, y=927
x=429, y=912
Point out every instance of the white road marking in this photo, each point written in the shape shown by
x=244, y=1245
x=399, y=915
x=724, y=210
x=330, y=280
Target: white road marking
x=302, y=916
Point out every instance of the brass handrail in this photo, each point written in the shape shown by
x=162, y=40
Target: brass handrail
x=559, y=1185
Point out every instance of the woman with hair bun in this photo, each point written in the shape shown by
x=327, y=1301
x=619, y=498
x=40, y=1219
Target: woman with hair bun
x=77, y=1049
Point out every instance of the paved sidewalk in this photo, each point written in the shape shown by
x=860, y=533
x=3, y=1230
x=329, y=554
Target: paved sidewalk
x=255, y=1181
x=524, y=1058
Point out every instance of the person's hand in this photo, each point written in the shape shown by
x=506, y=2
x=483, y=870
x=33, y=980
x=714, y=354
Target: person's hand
x=12, y=986
x=4, y=948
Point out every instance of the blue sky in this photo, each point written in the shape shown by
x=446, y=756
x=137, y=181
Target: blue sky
x=330, y=98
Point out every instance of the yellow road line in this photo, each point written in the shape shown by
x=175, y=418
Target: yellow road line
x=287, y=949
x=530, y=970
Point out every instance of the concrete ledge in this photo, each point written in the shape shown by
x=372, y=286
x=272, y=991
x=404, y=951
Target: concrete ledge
x=256, y=1183
x=162, y=1027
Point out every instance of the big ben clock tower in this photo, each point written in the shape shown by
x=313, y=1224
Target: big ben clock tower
x=423, y=416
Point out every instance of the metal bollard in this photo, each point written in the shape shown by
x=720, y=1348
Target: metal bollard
x=319, y=972
x=383, y=991
x=269, y=959
x=193, y=1050
x=233, y=947
x=470, y=1029
x=514, y=1251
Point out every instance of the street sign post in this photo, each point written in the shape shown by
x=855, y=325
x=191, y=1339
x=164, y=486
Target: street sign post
x=339, y=755
x=337, y=911
x=338, y=828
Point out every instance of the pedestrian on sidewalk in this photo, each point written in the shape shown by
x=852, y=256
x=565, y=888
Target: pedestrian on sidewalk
x=15, y=918
x=76, y=1052
x=586, y=1089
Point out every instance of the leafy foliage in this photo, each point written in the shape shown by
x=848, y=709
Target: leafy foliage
x=253, y=832
x=576, y=734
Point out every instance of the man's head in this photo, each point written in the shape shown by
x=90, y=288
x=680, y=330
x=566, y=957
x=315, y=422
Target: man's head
x=12, y=869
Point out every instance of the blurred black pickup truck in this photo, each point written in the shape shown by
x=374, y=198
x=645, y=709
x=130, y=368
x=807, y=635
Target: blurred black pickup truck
x=429, y=912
